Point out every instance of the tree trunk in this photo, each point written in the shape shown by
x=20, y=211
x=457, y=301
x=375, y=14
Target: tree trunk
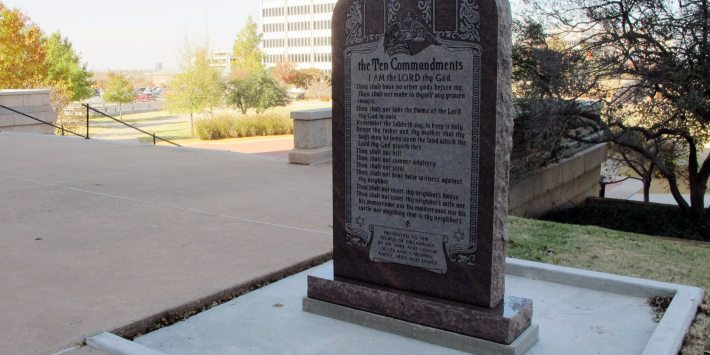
x=120, y=111
x=192, y=125
x=646, y=190
x=647, y=178
x=697, y=198
x=675, y=191
x=697, y=181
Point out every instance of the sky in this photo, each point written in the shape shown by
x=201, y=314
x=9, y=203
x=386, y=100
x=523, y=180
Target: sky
x=138, y=34
x=133, y=34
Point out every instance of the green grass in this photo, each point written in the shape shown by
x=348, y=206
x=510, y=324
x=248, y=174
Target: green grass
x=134, y=117
x=169, y=131
x=621, y=253
x=154, y=122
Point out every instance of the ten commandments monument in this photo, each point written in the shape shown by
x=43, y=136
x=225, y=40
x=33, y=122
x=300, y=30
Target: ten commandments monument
x=422, y=130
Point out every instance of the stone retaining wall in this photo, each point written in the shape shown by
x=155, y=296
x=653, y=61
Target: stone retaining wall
x=570, y=181
x=32, y=102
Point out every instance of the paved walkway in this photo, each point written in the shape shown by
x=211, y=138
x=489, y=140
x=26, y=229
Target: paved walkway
x=273, y=147
x=631, y=189
x=95, y=235
x=666, y=199
x=623, y=190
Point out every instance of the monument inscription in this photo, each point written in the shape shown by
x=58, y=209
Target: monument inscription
x=412, y=142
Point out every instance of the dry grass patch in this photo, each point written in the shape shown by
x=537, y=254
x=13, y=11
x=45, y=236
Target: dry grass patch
x=620, y=253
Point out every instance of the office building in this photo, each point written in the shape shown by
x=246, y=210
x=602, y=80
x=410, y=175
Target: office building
x=222, y=60
x=297, y=31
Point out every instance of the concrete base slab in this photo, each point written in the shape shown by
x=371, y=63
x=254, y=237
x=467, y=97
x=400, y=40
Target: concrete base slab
x=310, y=156
x=578, y=312
x=419, y=332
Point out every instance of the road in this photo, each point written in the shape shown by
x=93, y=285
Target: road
x=113, y=109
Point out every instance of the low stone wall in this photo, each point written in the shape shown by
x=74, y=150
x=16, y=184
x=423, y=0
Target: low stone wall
x=32, y=102
x=571, y=181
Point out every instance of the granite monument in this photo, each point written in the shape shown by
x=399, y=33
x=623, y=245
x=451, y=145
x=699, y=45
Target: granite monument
x=422, y=128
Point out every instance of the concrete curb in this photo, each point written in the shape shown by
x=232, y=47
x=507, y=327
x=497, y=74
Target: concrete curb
x=117, y=345
x=670, y=333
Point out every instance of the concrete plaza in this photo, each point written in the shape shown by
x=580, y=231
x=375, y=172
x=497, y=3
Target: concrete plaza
x=97, y=235
x=100, y=236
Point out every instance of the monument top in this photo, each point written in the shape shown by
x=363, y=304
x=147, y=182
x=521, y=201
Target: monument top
x=421, y=143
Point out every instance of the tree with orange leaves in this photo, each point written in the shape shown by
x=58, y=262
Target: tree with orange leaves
x=22, y=51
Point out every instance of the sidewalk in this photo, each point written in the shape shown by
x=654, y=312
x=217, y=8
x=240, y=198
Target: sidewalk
x=623, y=190
x=631, y=189
x=96, y=235
x=667, y=199
x=272, y=147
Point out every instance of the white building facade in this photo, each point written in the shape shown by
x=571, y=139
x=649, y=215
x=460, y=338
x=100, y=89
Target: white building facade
x=297, y=31
x=222, y=60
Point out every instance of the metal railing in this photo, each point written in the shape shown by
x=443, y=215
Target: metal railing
x=61, y=128
x=88, y=117
x=155, y=138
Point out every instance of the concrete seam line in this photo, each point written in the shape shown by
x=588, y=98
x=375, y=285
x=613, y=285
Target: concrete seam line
x=125, y=198
x=117, y=345
x=67, y=350
x=175, y=314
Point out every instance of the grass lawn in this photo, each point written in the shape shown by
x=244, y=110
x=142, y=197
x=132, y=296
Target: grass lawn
x=132, y=118
x=169, y=131
x=621, y=253
x=163, y=124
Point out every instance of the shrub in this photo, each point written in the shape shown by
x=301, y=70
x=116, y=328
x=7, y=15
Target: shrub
x=257, y=90
x=635, y=217
x=319, y=89
x=228, y=126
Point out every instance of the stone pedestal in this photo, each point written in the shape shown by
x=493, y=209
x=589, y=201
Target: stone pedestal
x=312, y=136
x=502, y=324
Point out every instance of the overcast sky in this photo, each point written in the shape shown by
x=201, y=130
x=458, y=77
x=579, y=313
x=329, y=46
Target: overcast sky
x=133, y=34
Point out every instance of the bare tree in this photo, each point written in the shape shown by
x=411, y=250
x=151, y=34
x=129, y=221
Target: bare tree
x=645, y=169
x=644, y=68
